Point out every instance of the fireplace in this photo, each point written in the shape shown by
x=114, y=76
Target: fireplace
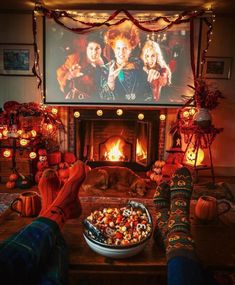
x=116, y=140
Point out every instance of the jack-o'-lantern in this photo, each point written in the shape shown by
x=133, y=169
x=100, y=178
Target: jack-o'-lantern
x=7, y=153
x=192, y=155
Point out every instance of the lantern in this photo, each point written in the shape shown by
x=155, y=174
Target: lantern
x=191, y=156
x=76, y=114
x=23, y=142
x=99, y=113
x=140, y=116
x=162, y=117
x=1, y=135
x=48, y=128
x=7, y=153
x=54, y=111
x=5, y=132
x=20, y=132
x=119, y=112
x=32, y=155
x=33, y=133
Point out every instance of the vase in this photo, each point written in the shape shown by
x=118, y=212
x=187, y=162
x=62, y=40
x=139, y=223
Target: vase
x=202, y=118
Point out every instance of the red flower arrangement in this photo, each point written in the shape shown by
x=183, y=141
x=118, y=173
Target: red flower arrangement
x=205, y=96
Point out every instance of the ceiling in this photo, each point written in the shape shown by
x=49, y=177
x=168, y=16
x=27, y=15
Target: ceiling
x=221, y=7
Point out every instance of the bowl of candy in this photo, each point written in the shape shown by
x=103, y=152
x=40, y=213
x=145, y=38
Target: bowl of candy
x=118, y=232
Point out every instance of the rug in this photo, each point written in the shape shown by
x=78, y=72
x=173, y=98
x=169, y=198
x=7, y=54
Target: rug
x=5, y=201
x=220, y=190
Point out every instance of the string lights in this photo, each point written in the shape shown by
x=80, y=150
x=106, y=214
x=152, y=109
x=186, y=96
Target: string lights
x=78, y=22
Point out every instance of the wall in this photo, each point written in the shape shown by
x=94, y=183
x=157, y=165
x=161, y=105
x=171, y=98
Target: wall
x=16, y=28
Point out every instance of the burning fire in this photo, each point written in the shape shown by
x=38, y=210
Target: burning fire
x=115, y=152
x=140, y=150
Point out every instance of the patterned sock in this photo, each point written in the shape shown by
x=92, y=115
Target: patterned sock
x=179, y=239
x=49, y=187
x=161, y=200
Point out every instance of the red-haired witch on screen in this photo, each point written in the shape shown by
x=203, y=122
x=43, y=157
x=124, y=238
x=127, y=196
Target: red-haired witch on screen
x=125, y=79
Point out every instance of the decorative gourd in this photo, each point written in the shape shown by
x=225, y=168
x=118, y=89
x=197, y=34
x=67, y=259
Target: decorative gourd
x=63, y=165
x=41, y=165
x=10, y=184
x=54, y=158
x=13, y=177
x=206, y=208
x=42, y=152
x=69, y=157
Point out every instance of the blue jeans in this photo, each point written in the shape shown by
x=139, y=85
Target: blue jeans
x=185, y=271
x=36, y=255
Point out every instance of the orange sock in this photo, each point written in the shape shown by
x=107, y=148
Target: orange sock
x=49, y=187
x=67, y=205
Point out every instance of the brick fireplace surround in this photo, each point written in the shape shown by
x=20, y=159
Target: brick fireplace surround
x=79, y=128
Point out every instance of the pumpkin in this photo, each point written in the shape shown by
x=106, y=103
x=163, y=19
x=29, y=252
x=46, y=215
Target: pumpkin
x=41, y=165
x=148, y=173
x=10, y=184
x=54, y=157
x=63, y=165
x=13, y=177
x=69, y=157
x=42, y=152
x=159, y=163
x=191, y=156
x=206, y=208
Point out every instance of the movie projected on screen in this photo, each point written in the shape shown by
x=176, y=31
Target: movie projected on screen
x=117, y=65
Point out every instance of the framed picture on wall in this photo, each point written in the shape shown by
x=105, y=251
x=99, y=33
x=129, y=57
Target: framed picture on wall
x=16, y=59
x=218, y=67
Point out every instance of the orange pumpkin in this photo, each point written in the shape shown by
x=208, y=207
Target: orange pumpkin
x=13, y=177
x=69, y=157
x=206, y=208
x=54, y=157
x=42, y=152
x=41, y=165
x=10, y=184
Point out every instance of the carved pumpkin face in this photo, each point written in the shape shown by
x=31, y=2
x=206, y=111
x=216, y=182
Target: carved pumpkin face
x=191, y=156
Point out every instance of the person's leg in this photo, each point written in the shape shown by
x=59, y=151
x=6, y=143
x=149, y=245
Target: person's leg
x=23, y=254
x=183, y=267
